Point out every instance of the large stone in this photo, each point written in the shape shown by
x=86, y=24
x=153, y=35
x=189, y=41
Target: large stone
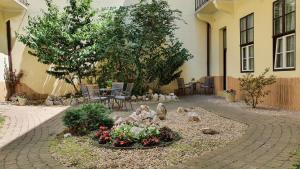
x=49, y=103
x=162, y=98
x=180, y=110
x=161, y=111
x=155, y=97
x=193, y=117
x=209, y=131
x=67, y=102
x=136, y=131
x=168, y=98
x=133, y=98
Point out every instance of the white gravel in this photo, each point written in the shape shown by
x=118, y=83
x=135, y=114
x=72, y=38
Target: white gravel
x=79, y=152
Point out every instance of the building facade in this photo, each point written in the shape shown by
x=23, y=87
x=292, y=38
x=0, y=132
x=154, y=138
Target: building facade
x=249, y=36
x=228, y=38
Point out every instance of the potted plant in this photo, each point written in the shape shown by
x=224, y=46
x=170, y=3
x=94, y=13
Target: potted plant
x=22, y=100
x=230, y=95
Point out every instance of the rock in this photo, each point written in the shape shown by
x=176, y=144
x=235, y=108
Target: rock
x=58, y=102
x=172, y=94
x=144, y=98
x=49, y=103
x=51, y=98
x=193, y=117
x=136, y=131
x=13, y=99
x=145, y=108
x=173, y=97
x=67, y=102
x=74, y=102
x=140, y=97
x=155, y=97
x=162, y=98
x=119, y=121
x=67, y=135
x=168, y=98
x=209, y=131
x=180, y=110
x=161, y=111
x=133, y=98
x=81, y=100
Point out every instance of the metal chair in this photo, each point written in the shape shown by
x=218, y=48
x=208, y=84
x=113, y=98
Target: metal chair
x=95, y=95
x=208, y=85
x=125, y=97
x=182, y=87
x=116, y=90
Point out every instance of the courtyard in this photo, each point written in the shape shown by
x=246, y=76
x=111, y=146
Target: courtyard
x=268, y=142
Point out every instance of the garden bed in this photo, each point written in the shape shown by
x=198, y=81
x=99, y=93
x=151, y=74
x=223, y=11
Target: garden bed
x=81, y=152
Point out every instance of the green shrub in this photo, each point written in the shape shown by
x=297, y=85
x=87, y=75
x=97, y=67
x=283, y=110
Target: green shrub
x=87, y=118
x=253, y=87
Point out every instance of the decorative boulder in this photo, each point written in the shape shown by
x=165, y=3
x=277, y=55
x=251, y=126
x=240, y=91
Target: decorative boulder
x=162, y=98
x=209, y=131
x=193, y=117
x=155, y=97
x=144, y=98
x=140, y=97
x=180, y=110
x=133, y=98
x=168, y=98
x=136, y=131
x=161, y=111
x=67, y=102
x=49, y=103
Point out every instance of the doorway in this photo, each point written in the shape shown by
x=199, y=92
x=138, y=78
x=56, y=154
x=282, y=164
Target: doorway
x=224, y=58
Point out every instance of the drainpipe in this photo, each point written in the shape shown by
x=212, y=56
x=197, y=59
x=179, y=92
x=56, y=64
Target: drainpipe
x=9, y=46
x=208, y=49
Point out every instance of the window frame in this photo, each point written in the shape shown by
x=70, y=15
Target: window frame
x=247, y=44
x=283, y=34
x=285, y=52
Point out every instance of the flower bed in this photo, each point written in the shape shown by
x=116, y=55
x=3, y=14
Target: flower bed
x=134, y=137
x=84, y=152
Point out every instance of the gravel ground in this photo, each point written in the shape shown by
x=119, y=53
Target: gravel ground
x=264, y=110
x=78, y=152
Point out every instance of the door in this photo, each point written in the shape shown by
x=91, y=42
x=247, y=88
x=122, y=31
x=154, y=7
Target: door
x=224, y=59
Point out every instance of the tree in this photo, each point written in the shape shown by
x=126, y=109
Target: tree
x=145, y=49
x=66, y=40
x=253, y=87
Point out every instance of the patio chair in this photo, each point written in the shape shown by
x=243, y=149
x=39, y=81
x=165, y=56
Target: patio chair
x=85, y=92
x=208, y=85
x=95, y=95
x=182, y=87
x=116, y=90
x=125, y=97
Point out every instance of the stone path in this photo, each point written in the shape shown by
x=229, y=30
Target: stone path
x=268, y=142
x=21, y=119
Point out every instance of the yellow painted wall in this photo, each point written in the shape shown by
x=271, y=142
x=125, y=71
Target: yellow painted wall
x=192, y=33
x=263, y=42
x=35, y=75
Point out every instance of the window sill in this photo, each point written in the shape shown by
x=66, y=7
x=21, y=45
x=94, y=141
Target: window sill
x=247, y=71
x=284, y=69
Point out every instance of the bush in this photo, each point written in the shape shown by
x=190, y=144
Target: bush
x=253, y=87
x=87, y=118
x=166, y=134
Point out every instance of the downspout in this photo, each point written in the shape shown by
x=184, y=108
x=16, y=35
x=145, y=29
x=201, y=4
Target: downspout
x=9, y=45
x=208, y=49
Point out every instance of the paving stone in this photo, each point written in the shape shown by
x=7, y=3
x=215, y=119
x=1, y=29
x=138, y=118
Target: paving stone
x=266, y=144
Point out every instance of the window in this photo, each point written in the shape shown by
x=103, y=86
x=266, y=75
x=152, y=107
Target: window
x=284, y=34
x=247, y=43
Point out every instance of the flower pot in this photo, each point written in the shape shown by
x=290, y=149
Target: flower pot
x=230, y=97
x=22, y=101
